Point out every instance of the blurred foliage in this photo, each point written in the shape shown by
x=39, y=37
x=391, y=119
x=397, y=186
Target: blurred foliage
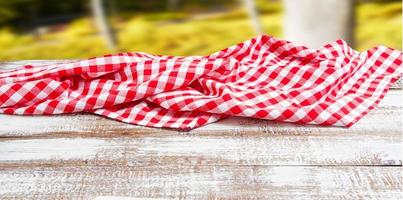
x=379, y=24
x=266, y=7
x=184, y=33
x=27, y=13
x=23, y=13
x=196, y=37
x=8, y=10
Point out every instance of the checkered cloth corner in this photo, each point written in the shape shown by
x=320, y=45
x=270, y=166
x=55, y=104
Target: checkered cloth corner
x=263, y=78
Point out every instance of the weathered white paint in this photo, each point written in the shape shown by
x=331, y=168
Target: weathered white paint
x=47, y=149
x=281, y=150
x=86, y=157
x=253, y=148
x=122, y=198
x=386, y=117
x=375, y=140
x=24, y=125
x=20, y=63
x=202, y=182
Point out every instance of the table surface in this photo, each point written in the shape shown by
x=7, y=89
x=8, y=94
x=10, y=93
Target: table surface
x=84, y=156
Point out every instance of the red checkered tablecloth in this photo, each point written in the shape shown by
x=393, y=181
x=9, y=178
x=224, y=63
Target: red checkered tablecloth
x=263, y=78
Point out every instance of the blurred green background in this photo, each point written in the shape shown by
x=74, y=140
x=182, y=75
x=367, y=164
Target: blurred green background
x=48, y=29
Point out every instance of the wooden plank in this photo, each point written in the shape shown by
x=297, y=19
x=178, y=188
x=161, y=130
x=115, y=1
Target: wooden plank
x=375, y=140
x=385, y=118
x=16, y=64
x=342, y=149
x=86, y=156
x=202, y=182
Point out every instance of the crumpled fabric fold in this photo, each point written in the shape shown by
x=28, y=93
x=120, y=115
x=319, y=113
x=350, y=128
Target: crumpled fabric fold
x=264, y=78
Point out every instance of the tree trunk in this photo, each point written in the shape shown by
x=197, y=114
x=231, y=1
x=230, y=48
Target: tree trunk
x=253, y=15
x=103, y=24
x=173, y=5
x=317, y=22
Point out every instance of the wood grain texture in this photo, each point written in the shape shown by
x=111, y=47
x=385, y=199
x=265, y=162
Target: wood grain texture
x=162, y=149
x=375, y=140
x=82, y=156
x=385, y=118
x=202, y=182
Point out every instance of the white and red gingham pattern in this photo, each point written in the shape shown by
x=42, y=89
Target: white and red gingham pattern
x=263, y=78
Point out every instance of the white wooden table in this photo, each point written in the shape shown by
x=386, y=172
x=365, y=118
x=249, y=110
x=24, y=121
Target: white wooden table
x=85, y=157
